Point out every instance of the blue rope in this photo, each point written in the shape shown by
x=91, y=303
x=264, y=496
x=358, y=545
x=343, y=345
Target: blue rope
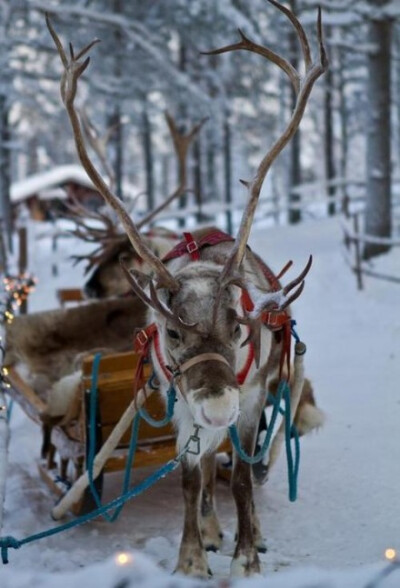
x=293, y=464
x=117, y=504
x=234, y=435
x=10, y=407
x=11, y=542
x=293, y=330
x=168, y=415
x=92, y=444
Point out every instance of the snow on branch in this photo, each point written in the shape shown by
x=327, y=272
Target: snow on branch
x=137, y=33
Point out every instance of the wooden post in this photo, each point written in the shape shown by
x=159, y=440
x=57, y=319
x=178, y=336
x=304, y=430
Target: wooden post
x=357, y=246
x=23, y=261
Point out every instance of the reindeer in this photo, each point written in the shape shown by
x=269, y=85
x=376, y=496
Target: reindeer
x=211, y=310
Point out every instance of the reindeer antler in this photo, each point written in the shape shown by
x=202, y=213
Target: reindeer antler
x=264, y=301
x=181, y=144
x=73, y=69
x=302, y=88
x=134, y=278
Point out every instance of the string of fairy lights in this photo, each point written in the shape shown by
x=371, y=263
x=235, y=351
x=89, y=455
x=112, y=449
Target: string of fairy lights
x=4, y=383
x=16, y=291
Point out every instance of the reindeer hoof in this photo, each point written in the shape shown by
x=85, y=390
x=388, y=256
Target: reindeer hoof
x=195, y=567
x=244, y=566
x=260, y=473
x=211, y=533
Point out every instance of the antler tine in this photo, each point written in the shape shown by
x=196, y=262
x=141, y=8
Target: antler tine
x=73, y=69
x=165, y=311
x=299, y=278
x=293, y=296
x=305, y=46
x=247, y=45
x=181, y=144
x=152, y=301
x=133, y=281
x=303, y=87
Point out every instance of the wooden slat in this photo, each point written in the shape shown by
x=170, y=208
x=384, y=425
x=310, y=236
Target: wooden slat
x=65, y=295
x=116, y=362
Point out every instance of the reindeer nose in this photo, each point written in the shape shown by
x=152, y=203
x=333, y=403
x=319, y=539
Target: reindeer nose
x=220, y=412
x=219, y=422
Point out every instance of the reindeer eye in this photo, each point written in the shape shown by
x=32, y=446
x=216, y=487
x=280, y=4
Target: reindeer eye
x=173, y=334
x=237, y=331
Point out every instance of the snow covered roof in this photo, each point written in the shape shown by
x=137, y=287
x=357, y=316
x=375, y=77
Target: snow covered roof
x=46, y=182
x=53, y=178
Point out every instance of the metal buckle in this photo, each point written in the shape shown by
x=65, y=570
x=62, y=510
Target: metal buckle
x=192, y=247
x=142, y=338
x=196, y=440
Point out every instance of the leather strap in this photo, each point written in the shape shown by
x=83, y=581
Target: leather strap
x=199, y=359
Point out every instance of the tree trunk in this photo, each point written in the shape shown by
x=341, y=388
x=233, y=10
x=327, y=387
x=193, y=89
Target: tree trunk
x=117, y=148
x=148, y=159
x=397, y=89
x=5, y=171
x=116, y=141
x=328, y=139
x=378, y=204
x=344, y=138
x=182, y=108
x=198, y=178
x=295, y=145
x=228, y=174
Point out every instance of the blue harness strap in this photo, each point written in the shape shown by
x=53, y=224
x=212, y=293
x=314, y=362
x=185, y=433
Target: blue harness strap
x=293, y=464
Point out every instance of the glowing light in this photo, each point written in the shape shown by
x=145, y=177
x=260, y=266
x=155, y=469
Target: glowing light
x=5, y=371
x=123, y=559
x=390, y=554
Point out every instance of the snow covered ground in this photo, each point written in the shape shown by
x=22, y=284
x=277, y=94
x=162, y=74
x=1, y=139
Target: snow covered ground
x=348, y=507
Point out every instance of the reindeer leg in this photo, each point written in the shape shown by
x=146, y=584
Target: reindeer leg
x=209, y=524
x=192, y=556
x=245, y=561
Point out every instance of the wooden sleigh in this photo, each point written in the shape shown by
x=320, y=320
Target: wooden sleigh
x=67, y=296
x=64, y=462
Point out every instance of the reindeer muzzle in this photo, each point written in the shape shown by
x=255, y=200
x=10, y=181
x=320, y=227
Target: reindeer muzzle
x=213, y=412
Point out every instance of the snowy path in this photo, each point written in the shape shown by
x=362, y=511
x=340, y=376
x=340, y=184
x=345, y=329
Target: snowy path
x=348, y=509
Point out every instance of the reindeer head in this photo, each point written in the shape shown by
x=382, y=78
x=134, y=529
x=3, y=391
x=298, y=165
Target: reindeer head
x=200, y=342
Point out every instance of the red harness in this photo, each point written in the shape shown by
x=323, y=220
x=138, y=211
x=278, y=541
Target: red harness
x=193, y=248
x=150, y=336
x=279, y=322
